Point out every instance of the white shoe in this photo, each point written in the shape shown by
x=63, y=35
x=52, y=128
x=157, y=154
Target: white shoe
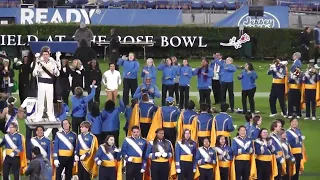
x=75, y=177
x=289, y=117
x=306, y=118
x=314, y=118
x=272, y=115
x=298, y=117
x=284, y=115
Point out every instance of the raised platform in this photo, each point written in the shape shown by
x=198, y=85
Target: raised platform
x=45, y=123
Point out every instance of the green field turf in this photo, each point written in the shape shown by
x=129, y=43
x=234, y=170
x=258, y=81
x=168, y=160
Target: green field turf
x=309, y=128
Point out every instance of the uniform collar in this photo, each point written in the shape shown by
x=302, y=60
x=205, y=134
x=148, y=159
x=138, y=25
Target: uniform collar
x=66, y=132
x=206, y=148
x=14, y=133
x=223, y=145
x=40, y=137
x=84, y=134
x=135, y=138
x=243, y=138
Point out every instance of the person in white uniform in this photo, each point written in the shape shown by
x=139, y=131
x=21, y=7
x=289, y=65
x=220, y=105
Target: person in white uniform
x=111, y=80
x=9, y=113
x=45, y=70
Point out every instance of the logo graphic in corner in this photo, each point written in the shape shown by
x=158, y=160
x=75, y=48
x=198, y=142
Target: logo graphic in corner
x=267, y=21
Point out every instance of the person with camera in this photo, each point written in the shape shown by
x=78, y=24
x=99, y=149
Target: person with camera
x=147, y=87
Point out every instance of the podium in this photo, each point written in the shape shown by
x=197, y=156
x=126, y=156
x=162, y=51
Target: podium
x=45, y=123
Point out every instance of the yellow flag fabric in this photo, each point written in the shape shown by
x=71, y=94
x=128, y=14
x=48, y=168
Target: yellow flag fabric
x=304, y=158
x=253, y=167
x=180, y=126
x=274, y=167
x=286, y=84
x=23, y=156
x=134, y=119
x=156, y=124
x=232, y=171
x=216, y=169
x=119, y=169
x=194, y=129
x=213, y=137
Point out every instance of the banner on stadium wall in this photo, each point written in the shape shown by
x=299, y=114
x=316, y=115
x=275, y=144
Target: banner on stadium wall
x=274, y=17
x=116, y=17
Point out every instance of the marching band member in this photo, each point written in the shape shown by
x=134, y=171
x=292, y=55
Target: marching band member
x=149, y=70
x=296, y=62
x=170, y=115
x=276, y=149
x=63, y=150
x=106, y=158
x=42, y=142
x=10, y=114
x=242, y=148
x=86, y=148
x=294, y=94
x=224, y=152
x=146, y=111
x=249, y=121
x=216, y=86
x=226, y=78
x=204, y=74
x=265, y=160
x=278, y=72
x=15, y=160
x=224, y=122
x=310, y=79
x=159, y=151
x=207, y=161
x=248, y=79
x=94, y=117
x=205, y=123
x=187, y=120
x=45, y=70
x=185, y=157
x=148, y=88
x=255, y=128
x=79, y=106
x=128, y=114
x=168, y=75
x=185, y=74
x=134, y=150
x=290, y=160
x=295, y=139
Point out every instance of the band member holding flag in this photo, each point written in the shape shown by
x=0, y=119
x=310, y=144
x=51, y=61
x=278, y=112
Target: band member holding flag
x=224, y=122
x=207, y=161
x=147, y=88
x=185, y=157
x=63, y=150
x=225, y=159
x=160, y=151
x=310, y=91
x=242, y=148
x=295, y=139
x=266, y=161
x=10, y=114
x=290, y=160
x=42, y=142
x=294, y=93
x=205, y=124
x=15, y=160
x=134, y=150
x=87, y=146
x=107, y=158
x=188, y=120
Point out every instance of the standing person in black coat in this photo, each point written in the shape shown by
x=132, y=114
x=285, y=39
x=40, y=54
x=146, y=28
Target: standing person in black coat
x=7, y=74
x=77, y=75
x=64, y=80
x=94, y=73
x=114, y=48
x=305, y=44
x=84, y=53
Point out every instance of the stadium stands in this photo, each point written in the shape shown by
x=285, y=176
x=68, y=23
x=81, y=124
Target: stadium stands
x=304, y=5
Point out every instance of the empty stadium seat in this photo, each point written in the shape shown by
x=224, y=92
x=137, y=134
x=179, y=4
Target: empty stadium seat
x=14, y=3
x=230, y=4
x=115, y=3
x=218, y=4
x=150, y=4
x=315, y=4
x=196, y=4
x=207, y=4
x=162, y=4
x=173, y=4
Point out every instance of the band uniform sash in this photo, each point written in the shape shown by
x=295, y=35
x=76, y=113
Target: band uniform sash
x=136, y=159
x=134, y=146
x=12, y=148
x=206, y=156
x=161, y=150
x=62, y=152
x=278, y=81
x=243, y=157
x=206, y=166
x=296, y=150
x=145, y=120
x=36, y=144
x=203, y=133
x=310, y=86
x=223, y=133
x=224, y=164
x=107, y=163
x=264, y=157
x=187, y=158
x=84, y=146
x=294, y=86
x=169, y=124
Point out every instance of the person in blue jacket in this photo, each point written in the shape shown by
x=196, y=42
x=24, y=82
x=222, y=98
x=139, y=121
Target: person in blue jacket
x=110, y=119
x=204, y=74
x=147, y=87
x=127, y=114
x=176, y=65
x=79, y=106
x=149, y=70
x=225, y=156
x=255, y=128
x=185, y=73
x=130, y=75
x=168, y=75
x=226, y=78
x=296, y=62
x=248, y=79
x=61, y=110
x=206, y=158
x=94, y=117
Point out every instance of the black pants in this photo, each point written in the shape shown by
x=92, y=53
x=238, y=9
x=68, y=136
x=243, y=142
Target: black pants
x=23, y=92
x=11, y=165
x=206, y=174
x=310, y=99
x=82, y=173
x=145, y=129
x=216, y=89
x=250, y=95
x=96, y=97
x=186, y=171
x=228, y=86
x=316, y=54
x=65, y=96
x=29, y=134
x=176, y=92
x=107, y=173
x=67, y=164
x=278, y=177
x=184, y=97
x=54, y=132
x=200, y=140
x=100, y=138
x=224, y=173
x=165, y=89
x=159, y=170
x=242, y=169
x=277, y=92
x=170, y=134
x=264, y=169
x=298, y=158
x=129, y=85
x=294, y=99
x=76, y=121
x=113, y=133
x=133, y=171
x=304, y=54
x=205, y=96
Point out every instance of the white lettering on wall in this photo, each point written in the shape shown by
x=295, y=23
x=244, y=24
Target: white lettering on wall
x=26, y=16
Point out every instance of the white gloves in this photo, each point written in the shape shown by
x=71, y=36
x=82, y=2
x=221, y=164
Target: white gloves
x=157, y=154
x=116, y=150
x=58, y=54
x=194, y=170
x=64, y=69
x=207, y=160
x=130, y=159
x=178, y=171
x=293, y=160
x=303, y=137
x=15, y=60
x=239, y=151
x=11, y=154
x=282, y=160
x=37, y=55
x=142, y=171
x=164, y=155
x=251, y=151
x=124, y=58
x=99, y=162
x=56, y=163
x=82, y=157
x=79, y=72
x=19, y=63
x=76, y=158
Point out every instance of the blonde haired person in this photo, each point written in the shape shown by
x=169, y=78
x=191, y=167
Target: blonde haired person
x=77, y=74
x=149, y=70
x=111, y=80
